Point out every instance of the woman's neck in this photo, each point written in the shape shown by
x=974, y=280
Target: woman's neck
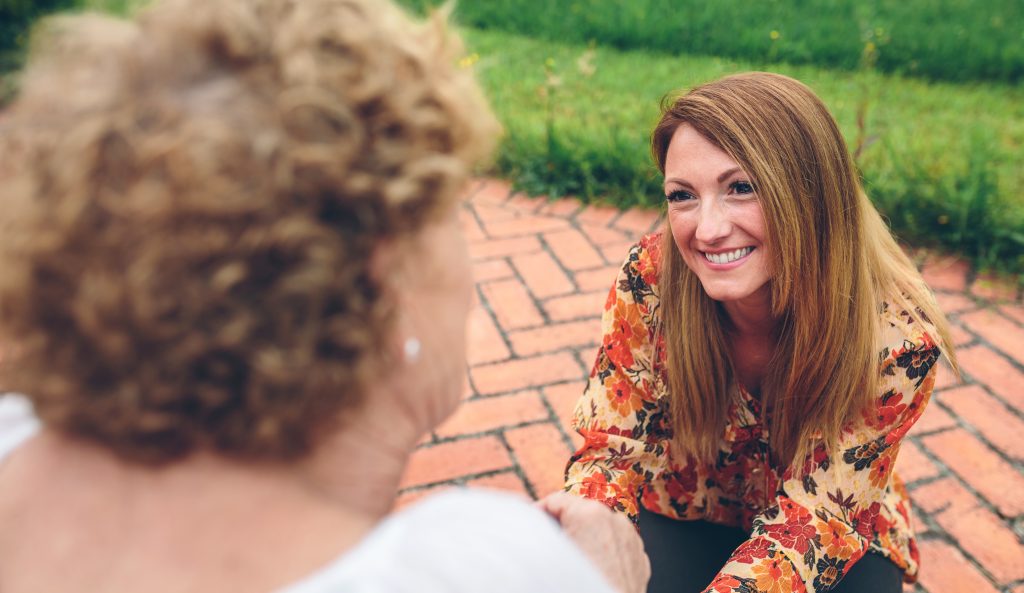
x=360, y=466
x=753, y=335
x=752, y=317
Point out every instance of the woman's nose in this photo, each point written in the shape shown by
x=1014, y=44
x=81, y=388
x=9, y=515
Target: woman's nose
x=713, y=224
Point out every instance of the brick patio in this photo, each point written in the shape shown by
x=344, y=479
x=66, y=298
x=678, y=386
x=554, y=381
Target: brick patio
x=543, y=270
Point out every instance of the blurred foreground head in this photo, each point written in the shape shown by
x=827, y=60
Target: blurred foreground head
x=193, y=207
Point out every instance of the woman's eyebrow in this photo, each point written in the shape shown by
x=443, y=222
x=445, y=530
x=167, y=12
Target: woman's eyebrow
x=721, y=178
x=727, y=174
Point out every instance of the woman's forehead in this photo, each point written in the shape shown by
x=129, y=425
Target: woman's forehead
x=691, y=156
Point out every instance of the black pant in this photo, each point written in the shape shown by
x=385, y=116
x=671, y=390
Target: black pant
x=686, y=556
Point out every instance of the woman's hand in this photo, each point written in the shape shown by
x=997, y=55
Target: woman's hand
x=607, y=538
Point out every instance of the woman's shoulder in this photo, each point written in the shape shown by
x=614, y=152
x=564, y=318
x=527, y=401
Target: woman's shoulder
x=461, y=540
x=641, y=268
x=644, y=257
x=903, y=326
x=909, y=343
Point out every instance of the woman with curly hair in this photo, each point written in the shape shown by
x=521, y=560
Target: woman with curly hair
x=762, y=358
x=234, y=293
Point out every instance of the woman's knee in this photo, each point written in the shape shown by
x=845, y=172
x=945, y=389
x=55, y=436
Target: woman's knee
x=874, y=573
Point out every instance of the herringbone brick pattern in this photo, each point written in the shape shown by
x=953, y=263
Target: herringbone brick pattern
x=543, y=270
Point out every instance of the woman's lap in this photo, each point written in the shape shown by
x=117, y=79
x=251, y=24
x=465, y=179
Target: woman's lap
x=686, y=555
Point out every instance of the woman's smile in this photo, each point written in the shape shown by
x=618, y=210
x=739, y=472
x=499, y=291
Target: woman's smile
x=729, y=259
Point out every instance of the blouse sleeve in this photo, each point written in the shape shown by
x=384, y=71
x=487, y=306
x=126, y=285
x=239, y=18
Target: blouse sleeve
x=821, y=523
x=619, y=415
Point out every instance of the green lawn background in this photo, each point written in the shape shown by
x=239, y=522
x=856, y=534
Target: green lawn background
x=927, y=93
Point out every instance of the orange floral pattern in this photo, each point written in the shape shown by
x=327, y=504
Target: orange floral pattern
x=806, y=528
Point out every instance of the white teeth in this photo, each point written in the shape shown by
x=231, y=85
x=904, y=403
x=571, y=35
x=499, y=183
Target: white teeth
x=729, y=256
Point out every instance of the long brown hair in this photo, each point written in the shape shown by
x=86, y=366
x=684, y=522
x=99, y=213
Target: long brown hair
x=833, y=260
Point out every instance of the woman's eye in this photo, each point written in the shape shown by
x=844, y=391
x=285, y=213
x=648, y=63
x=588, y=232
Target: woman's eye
x=679, y=196
x=742, y=187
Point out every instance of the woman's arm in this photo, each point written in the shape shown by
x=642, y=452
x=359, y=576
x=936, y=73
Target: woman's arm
x=821, y=523
x=620, y=415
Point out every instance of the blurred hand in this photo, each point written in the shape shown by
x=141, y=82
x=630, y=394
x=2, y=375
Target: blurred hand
x=607, y=538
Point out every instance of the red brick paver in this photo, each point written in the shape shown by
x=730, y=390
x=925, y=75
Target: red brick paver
x=543, y=270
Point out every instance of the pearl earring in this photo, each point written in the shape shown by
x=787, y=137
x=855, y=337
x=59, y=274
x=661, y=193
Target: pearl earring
x=411, y=349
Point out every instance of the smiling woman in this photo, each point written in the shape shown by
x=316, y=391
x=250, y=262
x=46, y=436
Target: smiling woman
x=787, y=345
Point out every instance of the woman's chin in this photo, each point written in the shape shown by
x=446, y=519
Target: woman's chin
x=726, y=293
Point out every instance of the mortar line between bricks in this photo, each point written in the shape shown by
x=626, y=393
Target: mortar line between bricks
x=510, y=393
x=506, y=203
x=569, y=349
x=476, y=187
x=969, y=379
x=989, y=306
x=479, y=221
x=460, y=481
x=575, y=215
x=981, y=341
x=659, y=222
x=614, y=219
x=575, y=224
x=937, y=531
x=489, y=309
x=469, y=382
x=578, y=353
x=533, y=298
x=517, y=467
x=557, y=421
x=465, y=436
x=998, y=311
x=946, y=471
x=932, y=526
x=646, y=230
x=538, y=326
x=588, y=317
x=946, y=538
x=508, y=197
x=500, y=257
x=971, y=429
x=977, y=303
x=544, y=247
x=954, y=320
x=481, y=396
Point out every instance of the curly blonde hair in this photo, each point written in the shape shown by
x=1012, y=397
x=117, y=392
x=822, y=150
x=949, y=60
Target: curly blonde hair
x=190, y=204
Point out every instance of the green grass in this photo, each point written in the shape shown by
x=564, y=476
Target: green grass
x=942, y=161
x=937, y=39
x=119, y=7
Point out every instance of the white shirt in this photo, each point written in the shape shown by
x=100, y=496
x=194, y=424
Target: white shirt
x=462, y=541
x=459, y=541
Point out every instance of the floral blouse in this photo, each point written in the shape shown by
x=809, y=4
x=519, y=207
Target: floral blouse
x=805, y=533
